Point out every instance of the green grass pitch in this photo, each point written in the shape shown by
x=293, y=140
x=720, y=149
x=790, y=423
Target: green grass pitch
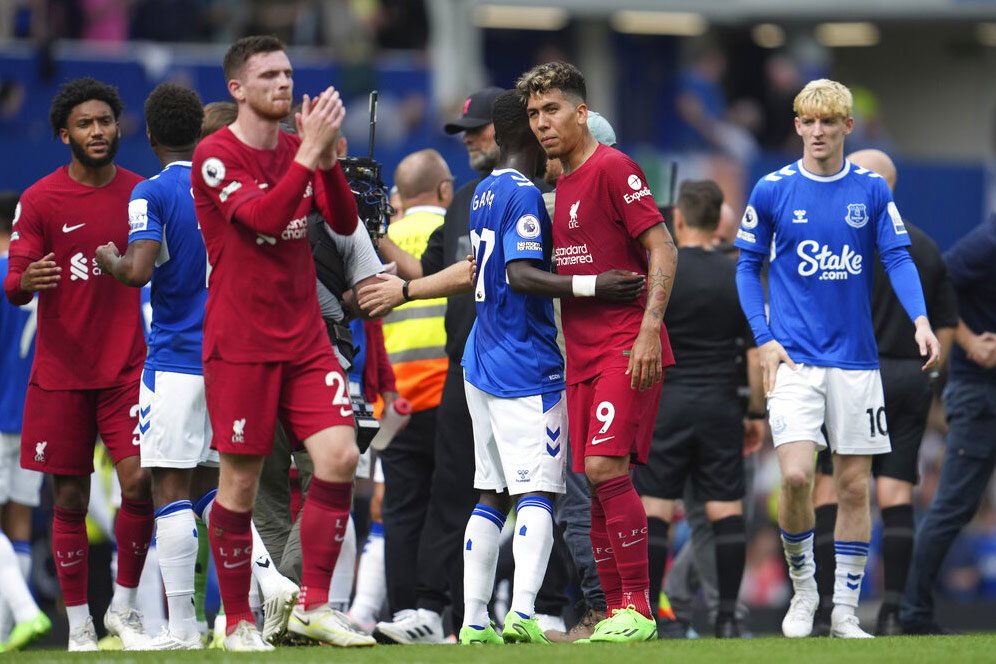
x=895, y=650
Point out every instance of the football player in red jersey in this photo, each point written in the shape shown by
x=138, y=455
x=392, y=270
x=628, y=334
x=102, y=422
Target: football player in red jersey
x=84, y=381
x=267, y=354
x=606, y=218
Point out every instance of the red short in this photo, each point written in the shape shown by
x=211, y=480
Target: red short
x=61, y=427
x=607, y=417
x=245, y=400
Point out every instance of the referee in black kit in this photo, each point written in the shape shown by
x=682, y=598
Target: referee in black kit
x=908, y=394
x=700, y=430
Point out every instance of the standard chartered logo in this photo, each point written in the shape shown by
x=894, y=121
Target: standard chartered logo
x=78, y=267
x=830, y=265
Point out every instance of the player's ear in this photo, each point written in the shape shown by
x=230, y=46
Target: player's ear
x=798, y=126
x=582, y=112
x=235, y=89
x=64, y=136
x=848, y=125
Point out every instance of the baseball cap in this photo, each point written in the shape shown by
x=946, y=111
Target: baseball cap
x=476, y=111
x=601, y=129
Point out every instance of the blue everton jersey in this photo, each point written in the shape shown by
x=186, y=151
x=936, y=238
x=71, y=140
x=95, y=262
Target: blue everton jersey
x=17, y=352
x=821, y=234
x=162, y=209
x=512, y=349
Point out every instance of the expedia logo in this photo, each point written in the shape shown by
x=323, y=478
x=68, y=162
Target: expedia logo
x=632, y=198
x=831, y=266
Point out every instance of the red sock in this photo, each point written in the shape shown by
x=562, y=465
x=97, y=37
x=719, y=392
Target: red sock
x=323, y=527
x=71, y=550
x=231, y=546
x=605, y=561
x=133, y=531
x=626, y=523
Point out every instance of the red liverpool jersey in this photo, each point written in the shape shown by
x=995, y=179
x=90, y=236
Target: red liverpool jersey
x=253, y=206
x=90, y=333
x=601, y=208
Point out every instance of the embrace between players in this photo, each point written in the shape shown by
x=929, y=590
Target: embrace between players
x=266, y=357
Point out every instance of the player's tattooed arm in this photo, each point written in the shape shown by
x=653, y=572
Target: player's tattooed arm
x=646, y=357
x=663, y=259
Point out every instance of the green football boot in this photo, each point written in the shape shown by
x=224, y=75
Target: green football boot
x=624, y=626
x=520, y=629
x=27, y=632
x=470, y=635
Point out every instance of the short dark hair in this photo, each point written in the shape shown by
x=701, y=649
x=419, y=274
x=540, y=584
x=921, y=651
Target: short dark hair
x=8, y=208
x=511, y=122
x=561, y=76
x=174, y=114
x=700, y=202
x=78, y=91
x=243, y=49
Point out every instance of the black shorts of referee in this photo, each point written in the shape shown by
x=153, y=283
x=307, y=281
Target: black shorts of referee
x=698, y=436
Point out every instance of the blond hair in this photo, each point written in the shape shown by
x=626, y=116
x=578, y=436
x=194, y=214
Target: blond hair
x=824, y=98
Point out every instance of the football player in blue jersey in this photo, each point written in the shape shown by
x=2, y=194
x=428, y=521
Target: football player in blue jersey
x=820, y=221
x=165, y=244
x=19, y=488
x=514, y=374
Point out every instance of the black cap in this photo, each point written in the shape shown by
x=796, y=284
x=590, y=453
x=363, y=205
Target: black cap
x=476, y=111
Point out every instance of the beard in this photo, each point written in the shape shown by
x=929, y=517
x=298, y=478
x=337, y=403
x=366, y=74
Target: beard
x=90, y=162
x=485, y=161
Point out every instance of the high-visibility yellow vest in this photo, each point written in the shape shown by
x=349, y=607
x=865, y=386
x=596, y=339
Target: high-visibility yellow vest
x=415, y=332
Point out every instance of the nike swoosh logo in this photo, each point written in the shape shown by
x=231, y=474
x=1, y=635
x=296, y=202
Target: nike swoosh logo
x=304, y=621
x=602, y=560
x=345, y=412
x=339, y=538
x=596, y=440
x=70, y=229
x=233, y=566
x=627, y=544
x=75, y=562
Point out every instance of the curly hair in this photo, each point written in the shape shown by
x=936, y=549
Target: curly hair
x=561, y=76
x=508, y=114
x=78, y=91
x=243, y=49
x=173, y=114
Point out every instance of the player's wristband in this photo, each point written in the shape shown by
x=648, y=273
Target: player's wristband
x=583, y=285
x=751, y=415
x=404, y=292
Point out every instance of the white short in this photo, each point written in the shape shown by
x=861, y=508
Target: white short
x=173, y=421
x=17, y=485
x=849, y=402
x=519, y=443
x=378, y=477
